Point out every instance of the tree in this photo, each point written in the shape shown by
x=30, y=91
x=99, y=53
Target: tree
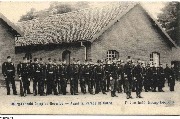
x=169, y=20
x=29, y=15
x=55, y=8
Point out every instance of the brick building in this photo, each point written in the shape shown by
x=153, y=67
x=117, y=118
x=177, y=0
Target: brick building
x=8, y=31
x=118, y=30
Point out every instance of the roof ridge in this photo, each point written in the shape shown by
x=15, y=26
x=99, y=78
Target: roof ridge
x=159, y=26
x=11, y=24
x=113, y=22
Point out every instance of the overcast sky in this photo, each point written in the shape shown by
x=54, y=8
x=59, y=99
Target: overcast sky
x=13, y=10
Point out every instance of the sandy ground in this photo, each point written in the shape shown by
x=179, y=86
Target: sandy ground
x=152, y=103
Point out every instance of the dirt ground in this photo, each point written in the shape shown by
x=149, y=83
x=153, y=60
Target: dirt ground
x=152, y=103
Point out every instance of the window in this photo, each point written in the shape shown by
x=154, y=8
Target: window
x=155, y=58
x=112, y=54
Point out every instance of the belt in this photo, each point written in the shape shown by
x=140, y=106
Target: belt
x=86, y=73
x=37, y=71
x=98, y=73
x=50, y=72
x=9, y=70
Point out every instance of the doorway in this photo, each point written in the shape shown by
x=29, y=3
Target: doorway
x=66, y=56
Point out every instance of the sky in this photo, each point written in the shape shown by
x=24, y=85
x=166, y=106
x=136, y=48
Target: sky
x=14, y=10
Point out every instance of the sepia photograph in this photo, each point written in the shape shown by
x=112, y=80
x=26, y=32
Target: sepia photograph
x=90, y=57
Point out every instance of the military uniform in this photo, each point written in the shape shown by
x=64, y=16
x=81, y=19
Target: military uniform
x=63, y=78
x=87, y=77
x=82, y=79
x=23, y=72
x=172, y=79
x=155, y=78
x=128, y=79
x=51, y=79
x=161, y=79
x=99, y=79
x=107, y=69
x=113, y=80
x=137, y=74
x=148, y=80
x=72, y=75
x=119, y=78
x=8, y=71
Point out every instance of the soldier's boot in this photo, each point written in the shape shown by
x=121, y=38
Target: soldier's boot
x=130, y=95
x=127, y=95
x=112, y=95
x=115, y=93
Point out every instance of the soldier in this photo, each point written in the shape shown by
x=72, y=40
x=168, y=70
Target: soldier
x=155, y=77
x=8, y=71
x=99, y=78
x=172, y=78
x=120, y=77
x=82, y=79
x=76, y=77
x=23, y=73
x=63, y=77
x=72, y=75
x=128, y=78
x=41, y=82
x=58, y=76
x=148, y=80
x=37, y=72
x=50, y=76
x=107, y=68
x=137, y=75
x=167, y=71
x=161, y=80
x=113, y=80
x=87, y=76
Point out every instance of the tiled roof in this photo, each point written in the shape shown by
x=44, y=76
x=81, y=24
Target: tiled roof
x=82, y=25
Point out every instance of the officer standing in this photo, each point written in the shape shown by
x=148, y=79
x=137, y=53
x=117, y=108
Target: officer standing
x=161, y=78
x=148, y=80
x=155, y=77
x=50, y=76
x=167, y=72
x=99, y=78
x=87, y=76
x=172, y=78
x=8, y=71
x=119, y=77
x=128, y=78
x=41, y=82
x=137, y=75
x=23, y=72
x=63, y=77
x=113, y=80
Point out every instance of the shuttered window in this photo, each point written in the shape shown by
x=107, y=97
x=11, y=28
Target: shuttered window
x=112, y=54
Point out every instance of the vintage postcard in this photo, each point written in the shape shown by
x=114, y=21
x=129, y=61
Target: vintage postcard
x=90, y=58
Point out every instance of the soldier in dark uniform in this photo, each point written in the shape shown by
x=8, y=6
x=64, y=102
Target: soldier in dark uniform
x=82, y=79
x=8, y=71
x=172, y=78
x=37, y=73
x=99, y=78
x=167, y=71
x=76, y=77
x=87, y=76
x=137, y=75
x=72, y=75
x=58, y=76
x=107, y=68
x=113, y=80
x=41, y=82
x=63, y=77
x=51, y=79
x=23, y=73
x=120, y=78
x=161, y=78
x=128, y=78
x=148, y=80
x=155, y=77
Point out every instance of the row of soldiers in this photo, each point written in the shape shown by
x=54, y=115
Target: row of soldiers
x=54, y=76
